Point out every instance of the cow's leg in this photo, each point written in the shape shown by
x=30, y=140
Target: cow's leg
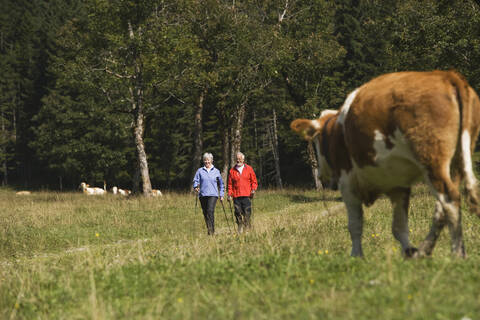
x=455, y=224
x=438, y=223
x=355, y=227
x=453, y=213
x=447, y=211
x=400, y=199
x=454, y=220
x=355, y=219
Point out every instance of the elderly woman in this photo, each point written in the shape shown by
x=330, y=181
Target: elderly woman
x=208, y=184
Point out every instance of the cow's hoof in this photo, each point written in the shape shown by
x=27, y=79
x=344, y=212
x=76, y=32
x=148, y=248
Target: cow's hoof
x=459, y=252
x=418, y=254
x=411, y=252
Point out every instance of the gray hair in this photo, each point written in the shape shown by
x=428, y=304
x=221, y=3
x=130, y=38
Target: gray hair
x=240, y=154
x=208, y=155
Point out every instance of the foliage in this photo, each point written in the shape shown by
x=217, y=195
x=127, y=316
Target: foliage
x=67, y=107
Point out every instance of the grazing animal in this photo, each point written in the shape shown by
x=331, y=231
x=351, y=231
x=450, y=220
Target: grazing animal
x=23, y=193
x=92, y=191
x=123, y=192
x=156, y=193
x=396, y=130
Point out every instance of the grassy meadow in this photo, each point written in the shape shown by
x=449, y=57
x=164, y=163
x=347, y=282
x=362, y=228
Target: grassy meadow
x=70, y=256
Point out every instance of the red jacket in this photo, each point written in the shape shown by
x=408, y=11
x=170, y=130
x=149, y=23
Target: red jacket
x=241, y=185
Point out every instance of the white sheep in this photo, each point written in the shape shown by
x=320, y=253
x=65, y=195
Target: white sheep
x=123, y=192
x=23, y=193
x=156, y=193
x=92, y=191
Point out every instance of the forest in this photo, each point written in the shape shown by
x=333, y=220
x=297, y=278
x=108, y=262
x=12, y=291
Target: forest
x=134, y=92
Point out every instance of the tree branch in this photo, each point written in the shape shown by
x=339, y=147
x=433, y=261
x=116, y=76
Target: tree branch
x=282, y=15
x=117, y=74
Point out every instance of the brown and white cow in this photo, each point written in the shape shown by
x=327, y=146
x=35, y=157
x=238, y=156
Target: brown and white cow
x=396, y=130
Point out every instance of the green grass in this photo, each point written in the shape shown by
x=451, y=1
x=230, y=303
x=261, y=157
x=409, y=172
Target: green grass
x=69, y=256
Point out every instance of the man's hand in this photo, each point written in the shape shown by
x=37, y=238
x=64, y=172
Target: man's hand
x=252, y=193
x=221, y=199
x=197, y=189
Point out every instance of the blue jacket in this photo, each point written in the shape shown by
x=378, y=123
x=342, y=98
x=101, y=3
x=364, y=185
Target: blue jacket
x=207, y=181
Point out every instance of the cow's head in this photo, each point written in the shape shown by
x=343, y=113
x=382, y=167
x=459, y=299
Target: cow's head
x=318, y=132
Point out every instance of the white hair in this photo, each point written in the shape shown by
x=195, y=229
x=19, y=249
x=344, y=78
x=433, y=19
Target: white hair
x=241, y=154
x=208, y=155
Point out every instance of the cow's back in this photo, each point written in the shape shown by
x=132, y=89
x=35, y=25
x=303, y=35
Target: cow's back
x=420, y=105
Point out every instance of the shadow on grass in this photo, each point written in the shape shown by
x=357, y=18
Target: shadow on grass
x=300, y=198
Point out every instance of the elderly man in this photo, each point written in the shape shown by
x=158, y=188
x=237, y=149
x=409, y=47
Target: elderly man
x=242, y=184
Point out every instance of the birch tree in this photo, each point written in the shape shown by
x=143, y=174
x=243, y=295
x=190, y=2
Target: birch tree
x=132, y=44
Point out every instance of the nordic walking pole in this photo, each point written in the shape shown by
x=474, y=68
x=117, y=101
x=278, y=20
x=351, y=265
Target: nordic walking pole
x=224, y=212
x=195, y=212
x=196, y=201
x=231, y=211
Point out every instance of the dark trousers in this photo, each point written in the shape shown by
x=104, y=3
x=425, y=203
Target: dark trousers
x=208, y=208
x=243, y=211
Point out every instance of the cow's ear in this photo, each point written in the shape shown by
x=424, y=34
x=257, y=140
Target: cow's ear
x=305, y=128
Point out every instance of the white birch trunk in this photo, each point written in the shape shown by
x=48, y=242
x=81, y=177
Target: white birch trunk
x=198, y=134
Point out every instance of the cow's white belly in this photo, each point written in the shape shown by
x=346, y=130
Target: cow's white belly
x=395, y=167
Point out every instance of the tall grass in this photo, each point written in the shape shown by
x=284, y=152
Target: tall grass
x=69, y=256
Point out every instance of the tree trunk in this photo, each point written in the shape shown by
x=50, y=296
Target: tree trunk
x=136, y=95
x=312, y=160
x=142, y=156
x=258, y=152
x=140, y=146
x=4, y=151
x=226, y=156
x=198, y=134
x=136, y=176
x=236, y=142
x=5, y=172
x=276, y=155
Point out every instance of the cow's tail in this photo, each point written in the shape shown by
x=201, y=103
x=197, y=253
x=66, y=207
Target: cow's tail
x=469, y=105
